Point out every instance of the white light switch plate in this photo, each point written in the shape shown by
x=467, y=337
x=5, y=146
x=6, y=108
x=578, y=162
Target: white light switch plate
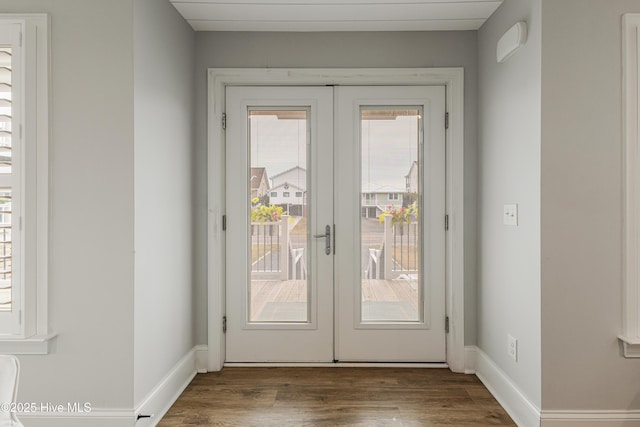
x=510, y=216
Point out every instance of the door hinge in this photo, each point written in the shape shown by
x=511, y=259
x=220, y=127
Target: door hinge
x=224, y=324
x=224, y=121
x=446, y=120
x=20, y=39
x=446, y=222
x=446, y=324
x=224, y=223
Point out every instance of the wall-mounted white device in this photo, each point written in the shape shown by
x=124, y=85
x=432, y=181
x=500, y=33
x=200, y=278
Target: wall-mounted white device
x=511, y=41
x=510, y=215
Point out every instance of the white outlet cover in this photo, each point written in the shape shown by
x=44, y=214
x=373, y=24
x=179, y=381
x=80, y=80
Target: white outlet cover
x=510, y=214
x=512, y=347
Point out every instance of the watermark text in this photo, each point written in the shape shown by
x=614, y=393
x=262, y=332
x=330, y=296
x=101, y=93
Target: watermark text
x=46, y=407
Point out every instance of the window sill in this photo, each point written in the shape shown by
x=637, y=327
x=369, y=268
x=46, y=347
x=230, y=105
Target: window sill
x=630, y=346
x=37, y=344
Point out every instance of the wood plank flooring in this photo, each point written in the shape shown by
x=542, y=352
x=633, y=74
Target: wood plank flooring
x=335, y=397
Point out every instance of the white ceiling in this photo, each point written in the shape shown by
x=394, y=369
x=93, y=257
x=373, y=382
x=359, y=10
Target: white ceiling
x=335, y=15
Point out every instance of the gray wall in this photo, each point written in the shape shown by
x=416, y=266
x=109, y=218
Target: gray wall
x=509, y=172
x=164, y=46
x=336, y=50
x=91, y=195
x=582, y=208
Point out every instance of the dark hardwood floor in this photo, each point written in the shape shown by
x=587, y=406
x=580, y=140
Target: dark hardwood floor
x=335, y=397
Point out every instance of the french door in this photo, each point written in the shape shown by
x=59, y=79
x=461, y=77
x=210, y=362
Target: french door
x=335, y=239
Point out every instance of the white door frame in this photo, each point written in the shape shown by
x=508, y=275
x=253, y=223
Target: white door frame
x=451, y=78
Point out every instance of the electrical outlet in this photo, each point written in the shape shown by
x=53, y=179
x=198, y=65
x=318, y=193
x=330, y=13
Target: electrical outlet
x=512, y=347
x=510, y=215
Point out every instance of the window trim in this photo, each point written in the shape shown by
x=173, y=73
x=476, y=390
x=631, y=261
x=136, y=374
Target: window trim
x=35, y=336
x=630, y=337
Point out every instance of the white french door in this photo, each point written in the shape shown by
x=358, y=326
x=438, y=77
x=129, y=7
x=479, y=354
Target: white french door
x=335, y=237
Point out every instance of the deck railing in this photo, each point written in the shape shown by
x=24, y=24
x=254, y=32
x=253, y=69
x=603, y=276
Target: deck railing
x=399, y=253
x=273, y=256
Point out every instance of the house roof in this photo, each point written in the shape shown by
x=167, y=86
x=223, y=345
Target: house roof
x=257, y=175
x=381, y=189
x=289, y=170
x=413, y=165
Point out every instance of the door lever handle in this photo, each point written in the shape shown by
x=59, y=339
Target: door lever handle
x=327, y=237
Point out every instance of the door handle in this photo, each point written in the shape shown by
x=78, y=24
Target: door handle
x=327, y=237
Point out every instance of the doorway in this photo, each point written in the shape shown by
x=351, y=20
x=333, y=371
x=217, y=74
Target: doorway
x=458, y=359
x=335, y=243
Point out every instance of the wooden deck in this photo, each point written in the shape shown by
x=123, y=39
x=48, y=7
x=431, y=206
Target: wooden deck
x=265, y=292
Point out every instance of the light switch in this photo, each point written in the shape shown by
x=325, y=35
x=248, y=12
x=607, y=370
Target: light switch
x=510, y=216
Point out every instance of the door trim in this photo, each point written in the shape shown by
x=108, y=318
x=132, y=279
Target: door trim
x=451, y=78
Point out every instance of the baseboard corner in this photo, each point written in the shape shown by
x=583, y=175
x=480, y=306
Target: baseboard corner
x=202, y=356
x=523, y=412
x=168, y=390
x=470, y=356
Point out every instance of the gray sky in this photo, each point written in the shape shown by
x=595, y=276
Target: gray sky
x=389, y=147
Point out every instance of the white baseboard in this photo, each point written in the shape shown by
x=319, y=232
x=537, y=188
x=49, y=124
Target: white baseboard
x=470, y=356
x=202, y=356
x=590, y=418
x=96, y=418
x=157, y=402
x=160, y=399
x=517, y=405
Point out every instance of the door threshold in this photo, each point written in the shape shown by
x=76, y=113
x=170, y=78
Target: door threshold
x=440, y=365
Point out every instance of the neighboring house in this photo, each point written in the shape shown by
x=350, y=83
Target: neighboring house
x=412, y=178
x=291, y=197
x=376, y=202
x=259, y=182
x=296, y=176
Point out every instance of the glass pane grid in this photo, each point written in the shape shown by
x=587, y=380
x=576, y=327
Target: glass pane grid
x=278, y=233
x=390, y=215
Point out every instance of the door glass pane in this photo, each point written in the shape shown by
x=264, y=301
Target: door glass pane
x=278, y=290
x=389, y=208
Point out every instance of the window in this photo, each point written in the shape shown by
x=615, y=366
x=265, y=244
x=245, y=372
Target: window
x=286, y=194
x=23, y=192
x=274, y=194
x=298, y=193
x=630, y=336
x=394, y=196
